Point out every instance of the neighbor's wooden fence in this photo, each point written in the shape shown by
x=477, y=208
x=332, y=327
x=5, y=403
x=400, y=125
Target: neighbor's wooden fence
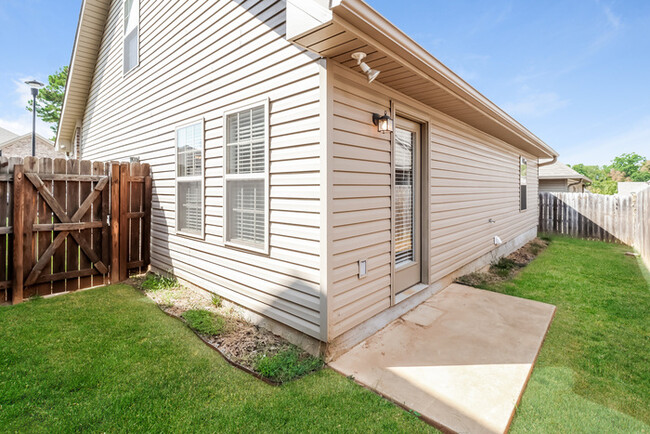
x=619, y=219
x=67, y=225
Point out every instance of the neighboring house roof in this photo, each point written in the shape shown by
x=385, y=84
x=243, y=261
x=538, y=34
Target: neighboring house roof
x=559, y=170
x=6, y=135
x=21, y=146
x=329, y=28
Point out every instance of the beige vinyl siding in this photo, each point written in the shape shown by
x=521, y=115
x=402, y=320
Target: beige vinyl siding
x=551, y=185
x=198, y=59
x=361, y=208
x=473, y=177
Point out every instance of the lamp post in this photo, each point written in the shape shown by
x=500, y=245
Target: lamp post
x=35, y=85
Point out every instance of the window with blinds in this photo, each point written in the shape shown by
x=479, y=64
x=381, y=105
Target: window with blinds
x=523, y=184
x=404, y=196
x=246, y=177
x=131, y=34
x=189, y=179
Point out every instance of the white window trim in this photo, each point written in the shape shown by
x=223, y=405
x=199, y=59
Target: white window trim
x=124, y=34
x=200, y=178
x=267, y=130
x=523, y=159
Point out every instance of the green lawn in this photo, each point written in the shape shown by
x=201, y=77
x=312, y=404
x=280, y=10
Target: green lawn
x=108, y=360
x=593, y=372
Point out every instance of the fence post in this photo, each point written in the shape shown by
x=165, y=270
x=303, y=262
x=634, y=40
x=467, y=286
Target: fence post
x=146, y=223
x=124, y=220
x=115, y=222
x=19, y=210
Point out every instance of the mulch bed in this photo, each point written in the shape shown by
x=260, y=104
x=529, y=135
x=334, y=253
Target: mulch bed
x=241, y=343
x=506, y=267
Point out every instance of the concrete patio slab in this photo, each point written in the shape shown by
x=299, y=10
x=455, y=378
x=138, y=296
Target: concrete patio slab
x=461, y=359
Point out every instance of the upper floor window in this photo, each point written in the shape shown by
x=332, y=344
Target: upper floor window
x=189, y=179
x=523, y=181
x=246, y=177
x=131, y=34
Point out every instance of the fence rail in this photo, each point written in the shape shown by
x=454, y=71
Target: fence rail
x=67, y=225
x=619, y=219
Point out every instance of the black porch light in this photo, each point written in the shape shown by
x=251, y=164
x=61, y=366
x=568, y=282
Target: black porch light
x=384, y=123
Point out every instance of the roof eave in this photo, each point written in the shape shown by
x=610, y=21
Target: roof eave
x=89, y=8
x=307, y=18
x=384, y=29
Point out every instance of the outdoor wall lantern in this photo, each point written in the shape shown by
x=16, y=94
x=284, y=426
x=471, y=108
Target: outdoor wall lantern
x=384, y=123
x=371, y=73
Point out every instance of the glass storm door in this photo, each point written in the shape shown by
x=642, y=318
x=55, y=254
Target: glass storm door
x=407, y=205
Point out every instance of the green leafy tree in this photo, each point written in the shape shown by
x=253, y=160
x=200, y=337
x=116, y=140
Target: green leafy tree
x=629, y=165
x=50, y=99
x=624, y=168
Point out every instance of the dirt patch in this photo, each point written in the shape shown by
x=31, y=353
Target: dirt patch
x=507, y=267
x=243, y=344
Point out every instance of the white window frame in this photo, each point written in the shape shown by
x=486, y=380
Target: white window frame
x=523, y=160
x=253, y=176
x=124, y=35
x=200, y=178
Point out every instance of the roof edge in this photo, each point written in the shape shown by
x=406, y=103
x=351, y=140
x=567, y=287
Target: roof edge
x=57, y=142
x=380, y=25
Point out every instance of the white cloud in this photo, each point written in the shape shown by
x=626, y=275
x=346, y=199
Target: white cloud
x=23, y=124
x=536, y=104
x=603, y=150
x=612, y=19
x=17, y=119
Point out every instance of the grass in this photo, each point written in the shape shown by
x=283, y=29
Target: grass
x=107, y=360
x=155, y=282
x=593, y=372
x=205, y=322
x=287, y=365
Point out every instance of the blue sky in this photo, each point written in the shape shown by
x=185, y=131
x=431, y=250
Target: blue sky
x=574, y=72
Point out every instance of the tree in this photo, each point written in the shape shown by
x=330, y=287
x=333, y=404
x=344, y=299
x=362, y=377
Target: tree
x=50, y=99
x=629, y=165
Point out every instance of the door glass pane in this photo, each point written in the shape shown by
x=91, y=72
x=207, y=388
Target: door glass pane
x=404, y=196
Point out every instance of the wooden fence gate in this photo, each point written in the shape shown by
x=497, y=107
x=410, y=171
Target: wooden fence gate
x=71, y=224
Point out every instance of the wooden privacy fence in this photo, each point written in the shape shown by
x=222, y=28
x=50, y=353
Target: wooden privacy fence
x=619, y=219
x=67, y=225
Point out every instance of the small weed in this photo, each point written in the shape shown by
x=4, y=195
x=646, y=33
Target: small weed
x=503, y=267
x=287, y=365
x=477, y=280
x=155, y=282
x=205, y=322
x=216, y=301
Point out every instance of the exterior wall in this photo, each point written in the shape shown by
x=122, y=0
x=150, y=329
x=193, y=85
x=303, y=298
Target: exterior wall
x=473, y=177
x=23, y=148
x=632, y=187
x=553, y=185
x=198, y=59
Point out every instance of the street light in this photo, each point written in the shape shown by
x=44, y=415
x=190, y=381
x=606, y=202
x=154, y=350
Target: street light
x=35, y=85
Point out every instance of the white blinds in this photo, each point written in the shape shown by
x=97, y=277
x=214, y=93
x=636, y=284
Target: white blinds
x=189, y=179
x=246, y=176
x=404, y=196
x=247, y=211
x=246, y=141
